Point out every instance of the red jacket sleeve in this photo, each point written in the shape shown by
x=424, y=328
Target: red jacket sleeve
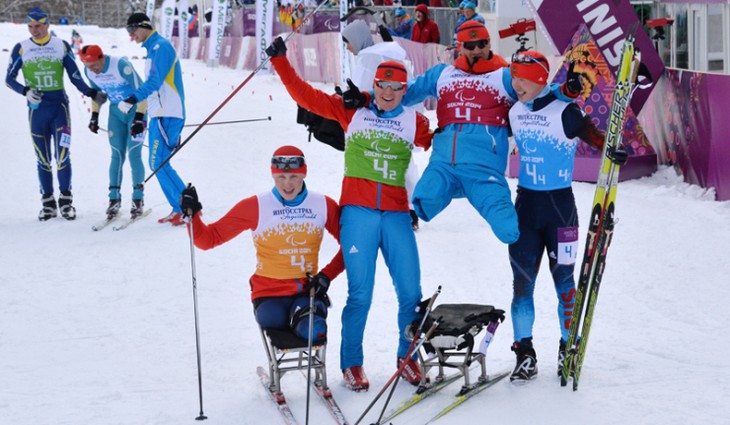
x=337, y=264
x=243, y=216
x=423, y=132
x=306, y=96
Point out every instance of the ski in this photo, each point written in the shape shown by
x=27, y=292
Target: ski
x=102, y=224
x=602, y=220
x=469, y=393
x=277, y=398
x=133, y=220
x=419, y=396
x=325, y=394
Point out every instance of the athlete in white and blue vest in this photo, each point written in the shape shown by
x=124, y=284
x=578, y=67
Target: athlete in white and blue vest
x=547, y=131
x=117, y=78
x=43, y=59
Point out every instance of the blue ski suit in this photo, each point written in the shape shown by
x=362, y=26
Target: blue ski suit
x=118, y=80
x=471, y=146
x=166, y=107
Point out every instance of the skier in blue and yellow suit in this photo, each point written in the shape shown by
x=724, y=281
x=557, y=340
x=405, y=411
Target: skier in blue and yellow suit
x=166, y=107
x=43, y=59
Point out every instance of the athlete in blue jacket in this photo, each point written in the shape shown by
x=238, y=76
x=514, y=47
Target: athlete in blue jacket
x=547, y=131
x=118, y=79
x=166, y=106
x=470, y=148
x=43, y=58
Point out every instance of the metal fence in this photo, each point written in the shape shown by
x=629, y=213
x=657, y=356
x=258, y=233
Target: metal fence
x=104, y=13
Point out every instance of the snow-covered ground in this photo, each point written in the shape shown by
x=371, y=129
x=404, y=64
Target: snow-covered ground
x=97, y=327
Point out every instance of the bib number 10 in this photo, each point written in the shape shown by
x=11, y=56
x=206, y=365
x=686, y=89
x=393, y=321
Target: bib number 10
x=387, y=174
x=45, y=81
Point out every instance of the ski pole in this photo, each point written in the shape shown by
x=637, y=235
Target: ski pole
x=415, y=345
x=200, y=417
x=395, y=384
x=309, y=345
x=233, y=93
x=230, y=122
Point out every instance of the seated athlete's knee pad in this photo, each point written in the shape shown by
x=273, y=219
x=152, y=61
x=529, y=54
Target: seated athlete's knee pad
x=299, y=322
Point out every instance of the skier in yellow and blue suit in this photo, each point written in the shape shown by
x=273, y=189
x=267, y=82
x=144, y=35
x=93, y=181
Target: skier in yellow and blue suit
x=166, y=106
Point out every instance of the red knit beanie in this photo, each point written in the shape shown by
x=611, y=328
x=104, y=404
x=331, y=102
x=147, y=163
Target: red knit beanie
x=470, y=31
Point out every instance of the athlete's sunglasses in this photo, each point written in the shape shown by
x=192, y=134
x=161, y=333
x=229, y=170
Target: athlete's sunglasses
x=287, y=162
x=471, y=45
x=395, y=85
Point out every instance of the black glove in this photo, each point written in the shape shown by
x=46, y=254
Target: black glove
x=276, y=48
x=189, y=201
x=94, y=122
x=573, y=81
x=126, y=105
x=138, y=124
x=617, y=155
x=320, y=282
x=353, y=98
x=97, y=96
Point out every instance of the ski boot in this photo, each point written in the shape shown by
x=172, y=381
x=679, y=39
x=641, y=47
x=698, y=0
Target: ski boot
x=355, y=379
x=526, y=367
x=137, y=208
x=49, y=210
x=113, y=210
x=174, y=218
x=65, y=202
x=561, y=356
x=412, y=371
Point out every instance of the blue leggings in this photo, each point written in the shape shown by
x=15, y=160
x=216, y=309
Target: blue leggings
x=164, y=136
x=548, y=222
x=121, y=143
x=363, y=232
x=50, y=129
x=277, y=313
x=486, y=190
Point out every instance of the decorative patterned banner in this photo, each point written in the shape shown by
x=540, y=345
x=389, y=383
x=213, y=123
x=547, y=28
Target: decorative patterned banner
x=607, y=21
x=599, y=82
x=688, y=116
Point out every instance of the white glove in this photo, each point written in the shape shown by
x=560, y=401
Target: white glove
x=33, y=96
x=125, y=106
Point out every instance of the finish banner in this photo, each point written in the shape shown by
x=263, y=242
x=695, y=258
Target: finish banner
x=217, y=28
x=182, y=30
x=608, y=22
x=151, y=9
x=167, y=18
x=264, y=27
